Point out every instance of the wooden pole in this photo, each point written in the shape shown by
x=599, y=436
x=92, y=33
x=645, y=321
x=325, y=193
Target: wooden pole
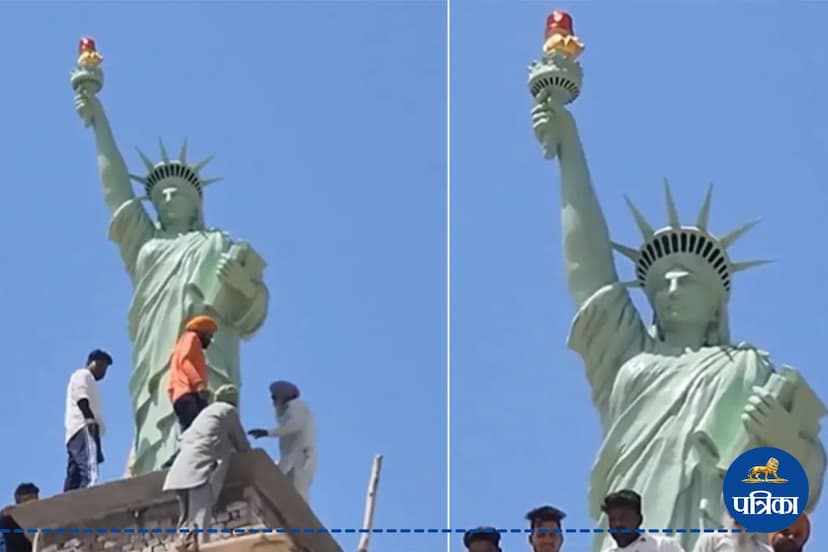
x=370, y=503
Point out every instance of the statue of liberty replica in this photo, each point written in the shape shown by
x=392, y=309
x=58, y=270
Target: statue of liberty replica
x=678, y=400
x=178, y=266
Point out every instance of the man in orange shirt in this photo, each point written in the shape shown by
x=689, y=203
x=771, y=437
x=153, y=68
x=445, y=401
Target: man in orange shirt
x=188, y=370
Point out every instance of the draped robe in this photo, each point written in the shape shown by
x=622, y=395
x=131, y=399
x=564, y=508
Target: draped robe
x=168, y=273
x=670, y=418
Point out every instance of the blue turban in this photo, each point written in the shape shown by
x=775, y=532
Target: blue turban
x=284, y=391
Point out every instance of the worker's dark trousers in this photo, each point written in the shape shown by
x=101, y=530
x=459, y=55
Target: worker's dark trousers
x=82, y=461
x=187, y=407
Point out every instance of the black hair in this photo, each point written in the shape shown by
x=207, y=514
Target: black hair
x=625, y=498
x=482, y=534
x=545, y=513
x=26, y=489
x=98, y=354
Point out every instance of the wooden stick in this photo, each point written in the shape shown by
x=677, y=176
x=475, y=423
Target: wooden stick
x=370, y=502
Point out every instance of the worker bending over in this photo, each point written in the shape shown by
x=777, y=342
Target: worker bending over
x=198, y=472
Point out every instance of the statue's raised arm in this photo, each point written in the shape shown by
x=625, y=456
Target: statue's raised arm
x=607, y=329
x=112, y=169
x=87, y=81
x=586, y=241
x=131, y=226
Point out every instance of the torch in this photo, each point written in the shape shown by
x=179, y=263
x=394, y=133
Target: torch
x=557, y=76
x=88, y=78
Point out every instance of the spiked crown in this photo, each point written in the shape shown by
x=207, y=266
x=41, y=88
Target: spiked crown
x=176, y=169
x=678, y=239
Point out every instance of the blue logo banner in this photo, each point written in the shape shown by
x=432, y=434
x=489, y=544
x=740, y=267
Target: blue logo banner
x=765, y=490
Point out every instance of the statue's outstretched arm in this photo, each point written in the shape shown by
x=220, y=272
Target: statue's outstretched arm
x=117, y=188
x=586, y=242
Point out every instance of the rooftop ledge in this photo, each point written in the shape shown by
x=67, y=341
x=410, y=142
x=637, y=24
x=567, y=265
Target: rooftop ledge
x=254, y=486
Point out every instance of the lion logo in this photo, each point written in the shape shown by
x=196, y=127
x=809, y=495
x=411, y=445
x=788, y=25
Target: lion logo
x=770, y=469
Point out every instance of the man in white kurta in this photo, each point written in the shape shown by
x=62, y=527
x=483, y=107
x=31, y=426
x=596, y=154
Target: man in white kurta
x=296, y=432
x=732, y=542
x=198, y=472
x=739, y=541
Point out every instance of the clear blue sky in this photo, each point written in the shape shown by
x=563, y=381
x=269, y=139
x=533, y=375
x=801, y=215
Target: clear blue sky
x=732, y=93
x=329, y=122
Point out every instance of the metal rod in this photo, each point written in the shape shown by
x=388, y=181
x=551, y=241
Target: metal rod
x=370, y=503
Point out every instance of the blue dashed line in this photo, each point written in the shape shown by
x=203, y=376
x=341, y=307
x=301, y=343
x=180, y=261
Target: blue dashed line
x=87, y=530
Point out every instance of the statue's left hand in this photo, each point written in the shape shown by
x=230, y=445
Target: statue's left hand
x=232, y=273
x=768, y=421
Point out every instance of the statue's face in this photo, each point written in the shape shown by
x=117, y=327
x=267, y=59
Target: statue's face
x=683, y=298
x=177, y=202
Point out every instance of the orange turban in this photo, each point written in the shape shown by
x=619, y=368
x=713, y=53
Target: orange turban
x=801, y=530
x=202, y=324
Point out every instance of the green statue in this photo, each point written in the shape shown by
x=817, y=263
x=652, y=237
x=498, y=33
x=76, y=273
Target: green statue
x=179, y=268
x=678, y=400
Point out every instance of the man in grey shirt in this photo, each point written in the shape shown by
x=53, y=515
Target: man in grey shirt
x=198, y=472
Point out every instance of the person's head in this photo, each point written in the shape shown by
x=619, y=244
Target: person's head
x=227, y=393
x=204, y=327
x=545, y=524
x=26, y=492
x=282, y=392
x=98, y=362
x=623, y=510
x=793, y=538
x=482, y=539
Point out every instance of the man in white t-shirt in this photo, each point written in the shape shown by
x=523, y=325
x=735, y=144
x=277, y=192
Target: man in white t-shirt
x=623, y=510
x=84, y=422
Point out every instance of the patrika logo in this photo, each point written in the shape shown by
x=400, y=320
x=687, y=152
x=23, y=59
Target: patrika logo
x=765, y=490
